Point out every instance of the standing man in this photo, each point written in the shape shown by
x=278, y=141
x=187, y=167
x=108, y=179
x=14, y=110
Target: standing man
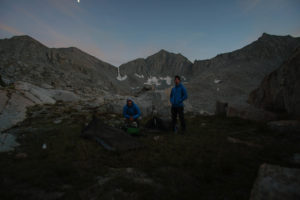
x=177, y=96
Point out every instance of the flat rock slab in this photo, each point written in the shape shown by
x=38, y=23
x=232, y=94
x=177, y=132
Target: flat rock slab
x=14, y=111
x=276, y=183
x=7, y=142
x=250, y=112
x=239, y=141
x=110, y=138
x=285, y=125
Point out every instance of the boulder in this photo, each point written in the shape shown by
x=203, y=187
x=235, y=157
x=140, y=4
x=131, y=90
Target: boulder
x=64, y=95
x=37, y=94
x=145, y=88
x=250, y=113
x=239, y=141
x=280, y=90
x=276, y=183
x=221, y=108
x=14, y=111
x=14, y=102
x=7, y=142
x=285, y=125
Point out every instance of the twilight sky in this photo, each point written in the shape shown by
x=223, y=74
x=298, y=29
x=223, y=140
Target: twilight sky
x=117, y=31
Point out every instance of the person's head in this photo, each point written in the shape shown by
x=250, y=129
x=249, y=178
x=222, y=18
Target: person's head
x=177, y=80
x=129, y=102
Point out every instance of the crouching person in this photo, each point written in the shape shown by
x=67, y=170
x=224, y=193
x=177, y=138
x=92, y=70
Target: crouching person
x=131, y=113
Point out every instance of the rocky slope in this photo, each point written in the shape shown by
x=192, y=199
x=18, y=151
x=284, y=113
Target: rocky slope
x=31, y=73
x=35, y=74
x=230, y=77
x=15, y=100
x=24, y=59
x=280, y=90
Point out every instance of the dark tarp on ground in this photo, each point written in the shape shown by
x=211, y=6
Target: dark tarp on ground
x=110, y=138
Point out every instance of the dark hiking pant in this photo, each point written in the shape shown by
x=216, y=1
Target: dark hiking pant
x=178, y=111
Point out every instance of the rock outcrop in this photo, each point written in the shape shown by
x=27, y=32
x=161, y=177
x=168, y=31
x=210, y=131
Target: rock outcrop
x=7, y=142
x=24, y=59
x=14, y=109
x=36, y=74
x=276, y=183
x=250, y=112
x=280, y=90
x=285, y=126
x=15, y=101
x=228, y=77
x=158, y=69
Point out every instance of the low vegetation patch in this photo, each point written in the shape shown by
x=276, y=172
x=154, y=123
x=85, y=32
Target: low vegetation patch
x=57, y=163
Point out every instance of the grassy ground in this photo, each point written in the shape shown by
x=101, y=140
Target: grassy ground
x=202, y=164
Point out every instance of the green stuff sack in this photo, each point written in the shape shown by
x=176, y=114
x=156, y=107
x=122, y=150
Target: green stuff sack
x=133, y=131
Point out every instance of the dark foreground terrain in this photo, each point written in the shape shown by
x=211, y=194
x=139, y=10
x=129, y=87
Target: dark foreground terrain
x=217, y=158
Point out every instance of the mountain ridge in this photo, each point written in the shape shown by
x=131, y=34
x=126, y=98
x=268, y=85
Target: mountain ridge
x=263, y=38
x=228, y=77
x=23, y=58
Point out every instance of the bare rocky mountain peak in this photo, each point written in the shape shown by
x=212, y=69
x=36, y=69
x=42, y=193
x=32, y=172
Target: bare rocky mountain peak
x=25, y=59
x=228, y=77
x=266, y=36
x=24, y=38
x=164, y=52
x=162, y=64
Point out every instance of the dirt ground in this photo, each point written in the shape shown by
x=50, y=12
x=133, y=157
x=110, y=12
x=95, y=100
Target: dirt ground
x=217, y=158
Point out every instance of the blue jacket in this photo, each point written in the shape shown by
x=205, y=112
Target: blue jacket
x=178, y=95
x=132, y=111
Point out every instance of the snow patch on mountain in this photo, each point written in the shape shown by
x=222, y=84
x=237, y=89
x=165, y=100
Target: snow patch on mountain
x=121, y=78
x=216, y=81
x=153, y=80
x=168, y=79
x=138, y=75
